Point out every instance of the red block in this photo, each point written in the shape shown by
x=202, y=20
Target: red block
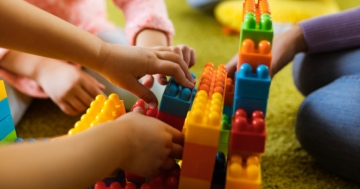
x=248, y=134
x=173, y=120
x=147, y=111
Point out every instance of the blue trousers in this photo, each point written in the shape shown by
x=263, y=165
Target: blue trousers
x=328, y=120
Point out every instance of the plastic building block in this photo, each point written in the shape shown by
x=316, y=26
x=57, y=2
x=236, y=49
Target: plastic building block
x=101, y=110
x=6, y=127
x=164, y=180
x=4, y=108
x=247, y=134
x=2, y=90
x=176, y=99
x=257, y=31
x=259, y=8
x=173, y=120
x=224, y=134
x=147, y=111
x=213, y=81
x=202, y=125
x=241, y=174
x=229, y=92
x=219, y=174
x=137, y=180
x=249, y=105
x=187, y=183
x=116, y=181
x=9, y=138
x=255, y=56
x=252, y=85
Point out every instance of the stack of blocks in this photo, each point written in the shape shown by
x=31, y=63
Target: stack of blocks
x=251, y=91
x=7, y=127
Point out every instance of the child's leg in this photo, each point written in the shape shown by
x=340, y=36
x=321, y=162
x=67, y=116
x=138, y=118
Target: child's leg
x=118, y=37
x=18, y=102
x=327, y=124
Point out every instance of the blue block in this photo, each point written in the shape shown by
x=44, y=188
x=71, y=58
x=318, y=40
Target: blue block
x=252, y=85
x=249, y=105
x=4, y=108
x=6, y=126
x=176, y=99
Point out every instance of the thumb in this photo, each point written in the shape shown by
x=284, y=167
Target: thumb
x=144, y=93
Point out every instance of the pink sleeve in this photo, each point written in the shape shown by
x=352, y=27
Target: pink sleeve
x=141, y=14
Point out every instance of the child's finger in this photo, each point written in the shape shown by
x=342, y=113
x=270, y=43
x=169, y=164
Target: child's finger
x=171, y=69
x=176, y=151
x=161, y=79
x=168, y=164
x=76, y=104
x=84, y=96
x=177, y=136
x=142, y=92
x=177, y=59
x=148, y=81
x=179, y=51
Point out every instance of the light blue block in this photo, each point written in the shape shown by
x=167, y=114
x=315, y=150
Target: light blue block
x=176, y=99
x=6, y=126
x=252, y=85
x=4, y=108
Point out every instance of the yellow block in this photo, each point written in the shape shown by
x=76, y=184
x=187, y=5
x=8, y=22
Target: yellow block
x=2, y=90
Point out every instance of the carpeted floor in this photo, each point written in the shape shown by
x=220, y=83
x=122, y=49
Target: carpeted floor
x=284, y=164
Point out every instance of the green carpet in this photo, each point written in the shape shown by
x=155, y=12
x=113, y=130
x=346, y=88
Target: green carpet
x=284, y=164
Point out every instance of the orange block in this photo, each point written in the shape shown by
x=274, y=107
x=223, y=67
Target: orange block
x=188, y=183
x=255, y=57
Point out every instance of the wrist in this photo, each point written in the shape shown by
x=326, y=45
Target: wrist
x=299, y=39
x=151, y=38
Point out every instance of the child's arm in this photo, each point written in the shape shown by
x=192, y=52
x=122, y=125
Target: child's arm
x=135, y=143
x=27, y=28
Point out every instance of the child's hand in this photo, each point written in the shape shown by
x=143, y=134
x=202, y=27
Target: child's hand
x=285, y=47
x=151, y=144
x=69, y=87
x=186, y=53
x=124, y=66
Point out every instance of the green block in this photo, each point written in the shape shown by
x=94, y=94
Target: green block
x=256, y=31
x=223, y=147
x=225, y=129
x=9, y=138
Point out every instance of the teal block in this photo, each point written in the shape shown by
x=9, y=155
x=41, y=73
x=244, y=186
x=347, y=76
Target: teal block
x=9, y=138
x=256, y=31
x=4, y=108
x=6, y=126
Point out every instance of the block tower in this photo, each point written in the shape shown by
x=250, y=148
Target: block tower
x=251, y=90
x=202, y=130
x=7, y=127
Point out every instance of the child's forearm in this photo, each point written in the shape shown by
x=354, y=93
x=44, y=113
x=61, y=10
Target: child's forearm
x=29, y=29
x=151, y=38
x=22, y=64
x=74, y=162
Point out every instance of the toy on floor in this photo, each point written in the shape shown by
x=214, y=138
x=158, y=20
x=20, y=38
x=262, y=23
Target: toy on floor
x=284, y=12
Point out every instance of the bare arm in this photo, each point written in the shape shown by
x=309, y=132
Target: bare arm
x=29, y=29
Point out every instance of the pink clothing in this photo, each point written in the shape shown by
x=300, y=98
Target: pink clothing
x=91, y=16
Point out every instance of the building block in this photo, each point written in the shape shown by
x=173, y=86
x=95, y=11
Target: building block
x=257, y=31
x=249, y=105
x=252, y=85
x=117, y=180
x=9, y=138
x=241, y=174
x=147, y=111
x=202, y=124
x=224, y=134
x=176, y=99
x=247, y=134
x=255, y=56
x=213, y=81
x=229, y=92
x=164, y=180
x=6, y=127
x=258, y=7
x=187, y=183
x=173, y=120
x=219, y=175
x=4, y=108
x=2, y=90
x=101, y=110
